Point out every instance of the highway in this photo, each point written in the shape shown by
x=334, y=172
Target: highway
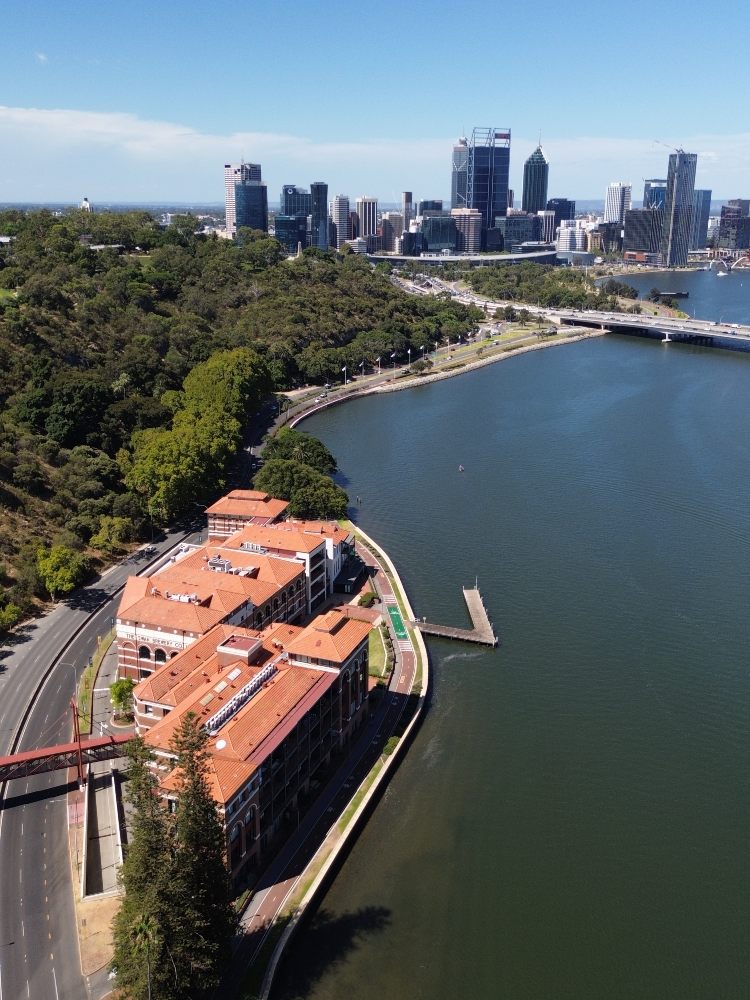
x=39, y=956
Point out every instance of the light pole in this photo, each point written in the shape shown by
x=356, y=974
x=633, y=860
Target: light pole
x=422, y=349
x=344, y=371
x=378, y=361
x=362, y=367
x=393, y=359
x=436, y=348
x=409, y=353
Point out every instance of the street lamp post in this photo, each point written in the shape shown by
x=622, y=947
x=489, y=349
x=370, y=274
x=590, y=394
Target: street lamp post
x=362, y=367
x=344, y=371
x=422, y=348
x=393, y=359
x=409, y=353
x=378, y=361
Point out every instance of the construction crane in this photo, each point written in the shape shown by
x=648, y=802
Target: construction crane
x=674, y=149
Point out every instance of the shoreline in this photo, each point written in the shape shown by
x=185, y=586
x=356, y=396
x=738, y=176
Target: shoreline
x=352, y=829
x=382, y=768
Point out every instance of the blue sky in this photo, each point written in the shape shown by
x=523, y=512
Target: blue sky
x=131, y=100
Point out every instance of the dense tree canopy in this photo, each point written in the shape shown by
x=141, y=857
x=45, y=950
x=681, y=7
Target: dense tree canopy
x=155, y=351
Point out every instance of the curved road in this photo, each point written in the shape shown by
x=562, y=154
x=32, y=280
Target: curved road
x=39, y=956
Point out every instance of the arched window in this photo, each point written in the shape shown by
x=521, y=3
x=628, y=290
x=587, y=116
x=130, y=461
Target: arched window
x=160, y=656
x=144, y=653
x=172, y=655
x=275, y=604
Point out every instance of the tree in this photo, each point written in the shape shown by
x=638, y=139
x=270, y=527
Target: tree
x=300, y=447
x=61, y=569
x=121, y=695
x=113, y=531
x=145, y=919
x=200, y=892
x=143, y=934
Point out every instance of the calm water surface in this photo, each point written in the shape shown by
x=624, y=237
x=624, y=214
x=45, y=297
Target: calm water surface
x=572, y=819
x=710, y=297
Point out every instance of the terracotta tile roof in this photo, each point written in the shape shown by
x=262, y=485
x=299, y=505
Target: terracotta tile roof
x=194, y=666
x=248, y=503
x=250, y=736
x=332, y=637
x=329, y=529
x=217, y=594
x=276, y=536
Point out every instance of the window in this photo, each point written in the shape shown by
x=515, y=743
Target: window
x=160, y=656
x=144, y=653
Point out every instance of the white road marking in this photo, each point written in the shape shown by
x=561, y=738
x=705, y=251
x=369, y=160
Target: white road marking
x=57, y=995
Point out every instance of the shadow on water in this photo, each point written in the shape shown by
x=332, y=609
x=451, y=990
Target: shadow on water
x=329, y=939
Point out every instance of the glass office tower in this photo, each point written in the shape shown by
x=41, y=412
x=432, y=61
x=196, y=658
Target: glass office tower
x=678, y=208
x=487, y=176
x=319, y=213
x=535, y=177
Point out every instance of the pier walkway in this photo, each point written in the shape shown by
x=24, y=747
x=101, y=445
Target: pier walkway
x=482, y=632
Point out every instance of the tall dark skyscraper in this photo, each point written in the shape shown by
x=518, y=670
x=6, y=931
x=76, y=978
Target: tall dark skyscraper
x=678, y=208
x=563, y=208
x=701, y=212
x=535, y=176
x=251, y=205
x=487, y=176
x=654, y=193
x=295, y=201
x=319, y=213
x=459, y=173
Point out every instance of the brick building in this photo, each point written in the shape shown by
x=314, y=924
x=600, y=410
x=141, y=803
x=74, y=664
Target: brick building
x=240, y=507
x=276, y=703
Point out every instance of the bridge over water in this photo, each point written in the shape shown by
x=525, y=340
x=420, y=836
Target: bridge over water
x=703, y=333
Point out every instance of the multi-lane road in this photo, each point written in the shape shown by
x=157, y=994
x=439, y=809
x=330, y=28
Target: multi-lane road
x=39, y=956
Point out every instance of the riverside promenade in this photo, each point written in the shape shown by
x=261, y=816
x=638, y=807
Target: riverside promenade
x=304, y=866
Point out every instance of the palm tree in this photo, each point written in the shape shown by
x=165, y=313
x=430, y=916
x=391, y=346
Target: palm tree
x=143, y=933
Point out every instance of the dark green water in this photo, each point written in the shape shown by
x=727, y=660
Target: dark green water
x=572, y=820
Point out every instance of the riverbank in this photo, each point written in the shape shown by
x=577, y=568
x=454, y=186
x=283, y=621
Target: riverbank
x=413, y=688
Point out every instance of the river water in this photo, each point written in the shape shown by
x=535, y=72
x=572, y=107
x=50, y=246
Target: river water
x=710, y=297
x=572, y=819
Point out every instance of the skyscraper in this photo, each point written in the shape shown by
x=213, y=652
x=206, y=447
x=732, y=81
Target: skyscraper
x=701, y=212
x=251, y=205
x=295, y=201
x=563, y=208
x=340, y=216
x=654, y=193
x=734, y=225
x=678, y=208
x=233, y=174
x=487, y=176
x=367, y=210
x=407, y=208
x=459, y=173
x=319, y=213
x=617, y=202
x=468, y=229
x=535, y=176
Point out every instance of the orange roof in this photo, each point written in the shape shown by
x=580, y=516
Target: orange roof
x=248, y=503
x=332, y=637
x=276, y=536
x=194, y=666
x=246, y=739
x=210, y=595
x=329, y=529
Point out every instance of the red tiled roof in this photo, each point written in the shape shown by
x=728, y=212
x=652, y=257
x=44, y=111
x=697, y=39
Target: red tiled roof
x=332, y=637
x=248, y=503
x=276, y=536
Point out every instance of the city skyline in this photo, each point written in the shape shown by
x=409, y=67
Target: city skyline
x=105, y=104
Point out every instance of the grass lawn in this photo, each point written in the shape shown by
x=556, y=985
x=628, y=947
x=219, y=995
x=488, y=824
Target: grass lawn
x=377, y=658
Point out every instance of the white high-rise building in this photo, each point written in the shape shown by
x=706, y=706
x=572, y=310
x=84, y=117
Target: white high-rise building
x=571, y=236
x=235, y=174
x=367, y=210
x=617, y=202
x=340, y=216
x=468, y=229
x=546, y=226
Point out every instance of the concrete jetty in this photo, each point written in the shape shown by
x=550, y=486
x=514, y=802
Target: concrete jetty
x=482, y=632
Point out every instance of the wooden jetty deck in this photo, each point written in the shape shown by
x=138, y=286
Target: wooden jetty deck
x=482, y=632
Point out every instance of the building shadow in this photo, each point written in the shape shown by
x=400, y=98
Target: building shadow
x=39, y=795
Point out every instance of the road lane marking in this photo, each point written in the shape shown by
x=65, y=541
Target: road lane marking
x=57, y=995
